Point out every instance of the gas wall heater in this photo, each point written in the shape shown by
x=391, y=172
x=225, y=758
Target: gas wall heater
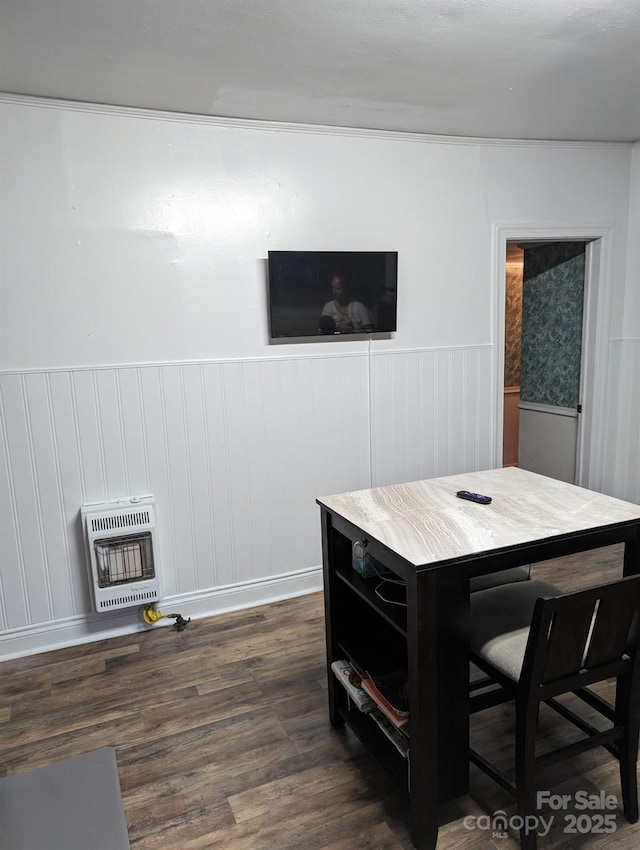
x=121, y=553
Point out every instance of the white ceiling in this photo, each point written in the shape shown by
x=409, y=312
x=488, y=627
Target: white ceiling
x=523, y=69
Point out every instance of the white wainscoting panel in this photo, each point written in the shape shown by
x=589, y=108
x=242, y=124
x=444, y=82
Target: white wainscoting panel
x=235, y=453
x=431, y=413
x=621, y=444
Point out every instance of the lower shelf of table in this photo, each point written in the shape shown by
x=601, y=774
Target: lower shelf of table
x=369, y=734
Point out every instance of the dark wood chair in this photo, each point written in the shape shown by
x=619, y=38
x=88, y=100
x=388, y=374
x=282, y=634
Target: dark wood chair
x=502, y=577
x=536, y=643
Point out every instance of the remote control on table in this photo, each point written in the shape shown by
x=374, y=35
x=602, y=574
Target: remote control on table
x=474, y=497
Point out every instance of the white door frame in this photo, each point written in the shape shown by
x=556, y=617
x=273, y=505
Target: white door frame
x=597, y=298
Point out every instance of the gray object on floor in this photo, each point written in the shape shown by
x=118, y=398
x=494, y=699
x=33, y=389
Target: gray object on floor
x=73, y=804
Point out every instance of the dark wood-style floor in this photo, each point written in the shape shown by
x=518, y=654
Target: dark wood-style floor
x=223, y=740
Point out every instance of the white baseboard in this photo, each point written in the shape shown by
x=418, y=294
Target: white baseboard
x=29, y=640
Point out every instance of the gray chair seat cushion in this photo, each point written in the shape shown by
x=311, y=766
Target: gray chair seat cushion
x=499, y=578
x=500, y=620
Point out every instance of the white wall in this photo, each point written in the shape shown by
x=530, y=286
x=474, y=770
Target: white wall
x=134, y=354
x=624, y=361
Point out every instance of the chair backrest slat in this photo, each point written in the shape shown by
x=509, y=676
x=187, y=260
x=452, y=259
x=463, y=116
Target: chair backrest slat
x=569, y=629
x=611, y=630
x=582, y=630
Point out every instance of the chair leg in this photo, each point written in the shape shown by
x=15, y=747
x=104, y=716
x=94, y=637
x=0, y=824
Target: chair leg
x=628, y=756
x=627, y=713
x=526, y=725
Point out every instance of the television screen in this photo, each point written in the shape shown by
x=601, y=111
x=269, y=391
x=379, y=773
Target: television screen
x=327, y=293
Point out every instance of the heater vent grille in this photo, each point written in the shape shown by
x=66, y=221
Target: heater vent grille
x=121, y=520
x=131, y=599
x=124, y=558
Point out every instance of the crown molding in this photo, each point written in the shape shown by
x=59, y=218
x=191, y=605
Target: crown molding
x=287, y=127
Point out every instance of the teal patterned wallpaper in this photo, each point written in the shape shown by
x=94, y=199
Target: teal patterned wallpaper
x=552, y=303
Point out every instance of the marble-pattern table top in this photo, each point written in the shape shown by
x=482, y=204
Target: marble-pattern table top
x=425, y=523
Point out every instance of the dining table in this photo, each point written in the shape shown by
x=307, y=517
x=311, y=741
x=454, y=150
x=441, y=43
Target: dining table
x=423, y=544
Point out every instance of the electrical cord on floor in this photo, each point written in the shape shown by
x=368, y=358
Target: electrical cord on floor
x=151, y=615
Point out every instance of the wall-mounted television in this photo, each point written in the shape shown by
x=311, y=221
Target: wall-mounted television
x=329, y=293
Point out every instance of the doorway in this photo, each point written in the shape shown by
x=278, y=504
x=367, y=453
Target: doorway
x=543, y=351
x=586, y=425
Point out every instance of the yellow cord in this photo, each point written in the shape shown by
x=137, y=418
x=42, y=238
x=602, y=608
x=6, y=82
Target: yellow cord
x=151, y=615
